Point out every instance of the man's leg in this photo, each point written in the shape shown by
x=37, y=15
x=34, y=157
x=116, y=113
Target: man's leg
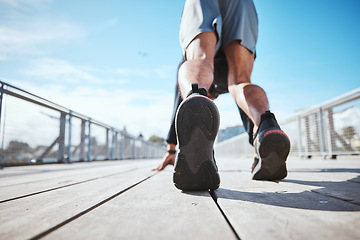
x=199, y=64
x=197, y=118
x=250, y=98
x=271, y=144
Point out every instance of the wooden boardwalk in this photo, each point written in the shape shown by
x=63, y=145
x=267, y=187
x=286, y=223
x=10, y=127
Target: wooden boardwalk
x=320, y=199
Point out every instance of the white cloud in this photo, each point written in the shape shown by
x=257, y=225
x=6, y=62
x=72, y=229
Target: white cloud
x=36, y=36
x=21, y=3
x=26, y=28
x=58, y=70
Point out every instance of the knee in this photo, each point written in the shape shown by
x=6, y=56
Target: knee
x=240, y=80
x=237, y=78
x=247, y=89
x=197, y=68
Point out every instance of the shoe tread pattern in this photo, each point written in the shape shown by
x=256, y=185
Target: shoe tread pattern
x=273, y=151
x=197, y=123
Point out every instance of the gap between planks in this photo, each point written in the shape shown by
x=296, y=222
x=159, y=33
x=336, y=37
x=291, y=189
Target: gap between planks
x=64, y=186
x=43, y=234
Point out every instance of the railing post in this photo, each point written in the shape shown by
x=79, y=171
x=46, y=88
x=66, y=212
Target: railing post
x=331, y=134
x=69, y=139
x=107, y=147
x=1, y=104
x=126, y=145
x=316, y=143
x=307, y=137
x=62, y=137
x=115, y=145
x=82, y=140
x=133, y=149
x=1, y=100
x=322, y=132
x=143, y=149
x=88, y=158
x=121, y=146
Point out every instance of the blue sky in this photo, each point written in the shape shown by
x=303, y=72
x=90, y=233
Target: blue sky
x=116, y=61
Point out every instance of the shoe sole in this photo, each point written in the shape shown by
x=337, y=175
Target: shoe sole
x=273, y=151
x=197, y=124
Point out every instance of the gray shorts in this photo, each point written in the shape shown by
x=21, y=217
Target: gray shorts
x=230, y=20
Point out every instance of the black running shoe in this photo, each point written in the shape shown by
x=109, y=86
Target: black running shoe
x=197, y=124
x=272, y=147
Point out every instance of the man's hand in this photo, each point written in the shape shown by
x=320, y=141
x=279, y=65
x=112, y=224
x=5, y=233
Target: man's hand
x=168, y=159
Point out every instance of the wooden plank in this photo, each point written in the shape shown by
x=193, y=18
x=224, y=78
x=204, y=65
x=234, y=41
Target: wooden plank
x=285, y=210
x=25, y=174
x=338, y=179
x=26, y=217
x=295, y=165
x=153, y=210
x=333, y=184
x=48, y=178
x=328, y=177
x=31, y=171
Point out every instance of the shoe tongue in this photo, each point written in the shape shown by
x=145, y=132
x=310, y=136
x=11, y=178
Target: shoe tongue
x=195, y=87
x=267, y=115
x=268, y=120
x=196, y=90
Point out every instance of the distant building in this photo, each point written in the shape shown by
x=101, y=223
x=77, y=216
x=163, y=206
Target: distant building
x=229, y=132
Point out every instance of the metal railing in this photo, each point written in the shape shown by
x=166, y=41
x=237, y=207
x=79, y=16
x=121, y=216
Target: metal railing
x=31, y=127
x=327, y=130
